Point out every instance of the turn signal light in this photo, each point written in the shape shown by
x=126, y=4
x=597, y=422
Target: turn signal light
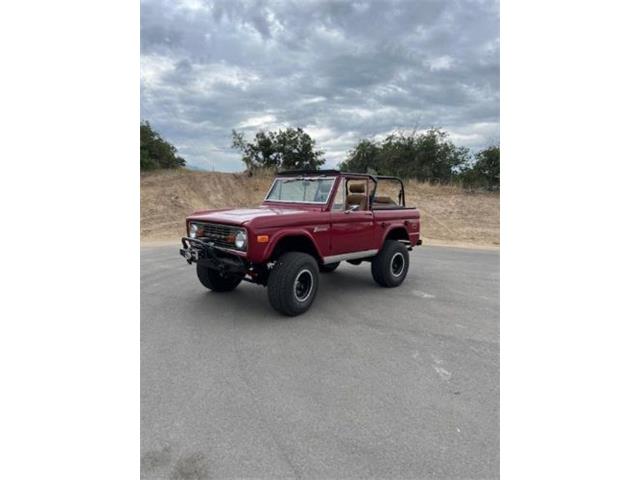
x=262, y=238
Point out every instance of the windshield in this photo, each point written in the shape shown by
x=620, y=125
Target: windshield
x=301, y=190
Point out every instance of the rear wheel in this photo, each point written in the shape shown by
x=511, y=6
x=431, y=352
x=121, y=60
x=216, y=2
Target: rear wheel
x=390, y=266
x=293, y=283
x=216, y=281
x=329, y=267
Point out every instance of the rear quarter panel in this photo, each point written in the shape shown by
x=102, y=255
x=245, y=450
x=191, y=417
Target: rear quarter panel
x=387, y=220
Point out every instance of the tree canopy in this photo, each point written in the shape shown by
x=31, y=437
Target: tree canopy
x=292, y=148
x=424, y=156
x=155, y=152
x=484, y=172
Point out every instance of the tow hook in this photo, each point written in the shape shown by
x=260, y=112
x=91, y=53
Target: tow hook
x=188, y=255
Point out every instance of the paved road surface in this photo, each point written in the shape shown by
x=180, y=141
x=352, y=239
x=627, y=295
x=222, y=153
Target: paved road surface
x=370, y=383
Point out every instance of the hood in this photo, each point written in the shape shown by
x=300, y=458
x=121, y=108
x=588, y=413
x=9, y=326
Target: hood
x=240, y=216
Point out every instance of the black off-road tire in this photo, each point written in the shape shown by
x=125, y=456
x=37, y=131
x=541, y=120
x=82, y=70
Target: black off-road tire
x=328, y=267
x=290, y=277
x=213, y=280
x=390, y=266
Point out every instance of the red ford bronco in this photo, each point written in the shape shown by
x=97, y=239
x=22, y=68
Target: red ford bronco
x=308, y=223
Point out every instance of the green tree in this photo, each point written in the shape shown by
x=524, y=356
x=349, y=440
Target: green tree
x=484, y=171
x=364, y=158
x=155, y=152
x=290, y=149
x=425, y=156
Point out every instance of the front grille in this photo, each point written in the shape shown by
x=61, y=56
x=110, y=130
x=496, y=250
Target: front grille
x=221, y=235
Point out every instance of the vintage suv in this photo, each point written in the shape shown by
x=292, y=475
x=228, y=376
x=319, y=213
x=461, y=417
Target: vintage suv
x=308, y=223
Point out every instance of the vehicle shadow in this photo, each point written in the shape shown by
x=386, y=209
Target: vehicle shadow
x=249, y=304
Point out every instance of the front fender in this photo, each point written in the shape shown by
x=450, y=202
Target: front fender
x=260, y=253
x=290, y=233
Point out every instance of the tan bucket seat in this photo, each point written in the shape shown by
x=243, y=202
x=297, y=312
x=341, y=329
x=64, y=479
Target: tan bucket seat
x=357, y=196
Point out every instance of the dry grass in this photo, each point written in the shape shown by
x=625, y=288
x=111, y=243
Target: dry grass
x=450, y=215
x=454, y=216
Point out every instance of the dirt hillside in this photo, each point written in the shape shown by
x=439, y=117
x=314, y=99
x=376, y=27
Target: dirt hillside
x=450, y=215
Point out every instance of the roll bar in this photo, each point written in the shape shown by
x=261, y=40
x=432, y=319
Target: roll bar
x=374, y=178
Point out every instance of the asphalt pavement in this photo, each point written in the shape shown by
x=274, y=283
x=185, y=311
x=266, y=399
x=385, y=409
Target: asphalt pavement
x=369, y=383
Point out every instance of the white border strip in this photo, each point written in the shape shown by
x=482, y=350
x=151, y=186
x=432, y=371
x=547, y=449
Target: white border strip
x=350, y=256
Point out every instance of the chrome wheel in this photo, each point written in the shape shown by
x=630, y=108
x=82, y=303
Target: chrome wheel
x=303, y=285
x=397, y=264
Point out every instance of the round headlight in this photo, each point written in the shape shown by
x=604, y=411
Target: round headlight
x=241, y=240
x=193, y=230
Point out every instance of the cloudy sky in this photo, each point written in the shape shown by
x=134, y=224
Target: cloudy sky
x=342, y=70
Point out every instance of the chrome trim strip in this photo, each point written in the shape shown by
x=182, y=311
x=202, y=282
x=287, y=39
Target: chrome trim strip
x=349, y=256
x=266, y=198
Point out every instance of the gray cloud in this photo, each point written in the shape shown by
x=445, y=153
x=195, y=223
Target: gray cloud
x=343, y=70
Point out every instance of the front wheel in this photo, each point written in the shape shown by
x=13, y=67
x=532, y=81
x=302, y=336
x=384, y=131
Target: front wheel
x=293, y=283
x=390, y=266
x=214, y=280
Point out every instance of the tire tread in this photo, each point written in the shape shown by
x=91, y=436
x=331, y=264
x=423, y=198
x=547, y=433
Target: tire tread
x=214, y=282
x=280, y=277
x=380, y=264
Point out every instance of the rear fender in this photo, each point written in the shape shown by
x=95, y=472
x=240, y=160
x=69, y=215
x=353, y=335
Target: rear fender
x=407, y=230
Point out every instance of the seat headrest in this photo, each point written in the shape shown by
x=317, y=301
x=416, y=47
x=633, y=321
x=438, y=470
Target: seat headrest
x=356, y=188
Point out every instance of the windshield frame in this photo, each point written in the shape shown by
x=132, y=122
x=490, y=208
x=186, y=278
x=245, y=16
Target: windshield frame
x=302, y=177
